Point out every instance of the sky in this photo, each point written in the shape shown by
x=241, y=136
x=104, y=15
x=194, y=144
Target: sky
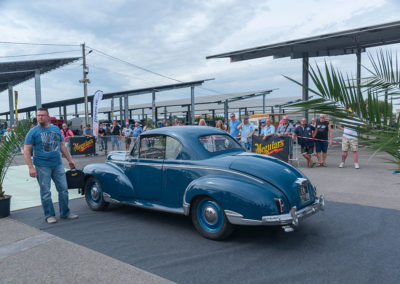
x=173, y=38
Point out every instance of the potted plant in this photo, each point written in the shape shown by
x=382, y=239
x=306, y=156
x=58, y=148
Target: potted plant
x=9, y=148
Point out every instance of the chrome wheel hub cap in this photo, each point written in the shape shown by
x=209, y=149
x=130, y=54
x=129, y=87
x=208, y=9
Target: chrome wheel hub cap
x=210, y=214
x=94, y=192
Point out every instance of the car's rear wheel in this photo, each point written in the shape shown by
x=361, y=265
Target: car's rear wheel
x=209, y=219
x=94, y=195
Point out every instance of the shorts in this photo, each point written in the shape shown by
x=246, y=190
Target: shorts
x=128, y=140
x=321, y=146
x=114, y=141
x=346, y=142
x=307, y=149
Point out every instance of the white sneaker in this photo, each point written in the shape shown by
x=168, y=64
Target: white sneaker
x=341, y=165
x=356, y=165
x=51, y=220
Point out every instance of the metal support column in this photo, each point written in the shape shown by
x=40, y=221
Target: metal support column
x=192, y=105
x=359, y=79
x=245, y=111
x=76, y=110
x=126, y=105
x=65, y=113
x=272, y=109
x=240, y=114
x=165, y=113
x=153, y=106
x=142, y=113
x=121, y=117
x=59, y=112
x=264, y=103
x=213, y=114
x=38, y=90
x=130, y=114
x=305, y=81
x=91, y=109
x=188, y=115
x=11, y=104
x=28, y=115
x=226, y=110
x=109, y=116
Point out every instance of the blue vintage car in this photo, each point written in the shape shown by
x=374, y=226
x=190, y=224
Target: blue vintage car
x=204, y=173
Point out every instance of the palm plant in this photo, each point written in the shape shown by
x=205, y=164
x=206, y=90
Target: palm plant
x=9, y=149
x=371, y=100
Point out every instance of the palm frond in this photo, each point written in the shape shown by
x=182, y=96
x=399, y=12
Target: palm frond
x=9, y=147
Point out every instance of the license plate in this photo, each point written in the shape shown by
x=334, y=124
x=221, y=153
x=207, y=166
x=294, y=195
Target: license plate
x=304, y=194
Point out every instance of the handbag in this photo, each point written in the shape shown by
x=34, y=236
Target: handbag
x=75, y=178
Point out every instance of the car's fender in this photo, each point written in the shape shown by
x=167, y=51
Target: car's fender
x=251, y=199
x=112, y=180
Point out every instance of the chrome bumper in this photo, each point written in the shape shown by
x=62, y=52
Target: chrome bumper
x=291, y=218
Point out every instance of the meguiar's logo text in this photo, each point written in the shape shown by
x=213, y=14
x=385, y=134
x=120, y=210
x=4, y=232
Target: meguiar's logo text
x=83, y=146
x=271, y=148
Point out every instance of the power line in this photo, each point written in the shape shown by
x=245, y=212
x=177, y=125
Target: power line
x=34, y=54
x=146, y=69
x=33, y=43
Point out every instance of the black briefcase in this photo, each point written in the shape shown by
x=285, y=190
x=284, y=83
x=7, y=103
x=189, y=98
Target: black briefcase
x=75, y=178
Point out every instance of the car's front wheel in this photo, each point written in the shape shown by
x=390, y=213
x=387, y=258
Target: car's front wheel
x=209, y=219
x=94, y=195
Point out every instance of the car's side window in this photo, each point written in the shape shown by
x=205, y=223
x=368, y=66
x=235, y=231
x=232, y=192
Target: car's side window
x=173, y=149
x=152, y=147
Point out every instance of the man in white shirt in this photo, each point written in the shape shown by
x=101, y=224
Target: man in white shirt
x=349, y=140
x=128, y=133
x=269, y=130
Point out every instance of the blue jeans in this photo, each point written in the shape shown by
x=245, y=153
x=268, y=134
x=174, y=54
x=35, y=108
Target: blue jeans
x=44, y=177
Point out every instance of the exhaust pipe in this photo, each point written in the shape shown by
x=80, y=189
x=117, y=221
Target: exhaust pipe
x=288, y=229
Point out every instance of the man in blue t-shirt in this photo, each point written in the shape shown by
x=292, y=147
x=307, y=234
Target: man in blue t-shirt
x=233, y=126
x=247, y=131
x=47, y=143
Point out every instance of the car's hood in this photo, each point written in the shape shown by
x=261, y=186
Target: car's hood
x=280, y=174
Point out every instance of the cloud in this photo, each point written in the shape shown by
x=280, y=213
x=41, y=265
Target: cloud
x=173, y=38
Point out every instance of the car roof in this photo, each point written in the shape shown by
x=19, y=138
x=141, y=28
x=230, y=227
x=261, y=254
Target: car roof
x=185, y=131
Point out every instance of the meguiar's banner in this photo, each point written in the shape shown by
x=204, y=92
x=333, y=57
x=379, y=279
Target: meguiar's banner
x=82, y=145
x=96, y=101
x=273, y=146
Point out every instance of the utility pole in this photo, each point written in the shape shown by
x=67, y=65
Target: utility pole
x=85, y=81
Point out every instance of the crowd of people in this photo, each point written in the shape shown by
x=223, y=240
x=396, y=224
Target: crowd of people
x=314, y=138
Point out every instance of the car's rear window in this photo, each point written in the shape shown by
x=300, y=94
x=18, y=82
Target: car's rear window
x=218, y=143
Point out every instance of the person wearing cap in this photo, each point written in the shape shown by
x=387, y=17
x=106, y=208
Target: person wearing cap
x=286, y=129
x=247, y=131
x=233, y=126
x=261, y=127
x=269, y=129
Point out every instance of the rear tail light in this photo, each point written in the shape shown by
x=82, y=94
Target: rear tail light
x=280, y=205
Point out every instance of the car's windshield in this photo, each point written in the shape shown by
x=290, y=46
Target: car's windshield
x=218, y=142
